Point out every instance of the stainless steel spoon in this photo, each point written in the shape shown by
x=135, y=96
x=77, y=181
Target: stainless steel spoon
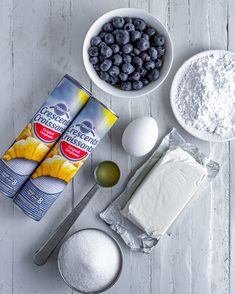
x=106, y=174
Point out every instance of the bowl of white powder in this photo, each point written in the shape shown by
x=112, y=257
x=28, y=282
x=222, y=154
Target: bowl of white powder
x=90, y=261
x=203, y=95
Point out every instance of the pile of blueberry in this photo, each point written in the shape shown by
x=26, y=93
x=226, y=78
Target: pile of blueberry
x=127, y=53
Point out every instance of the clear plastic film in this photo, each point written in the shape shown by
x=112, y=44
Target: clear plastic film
x=134, y=237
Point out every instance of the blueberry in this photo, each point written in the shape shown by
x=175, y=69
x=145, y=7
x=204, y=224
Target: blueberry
x=115, y=48
x=135, y=35
x=94, y=60
x=113, y=80
x=104, y=75
x=158, y=63
x=101, y=35
x=115, y=32
x=153, y=75
x=145, y=82
x=128, y=68
x=117, y=59
x=96, y=67
x=102, y=58
x=93, y=51
x=142, y=72
x=135, y=76
x=145, y=56
x=127, y=48
x=105, y=65
x=122, y=37
x=102, y=44
x=143, y=44
x=152, y=51
x=137, y=61
x=106, y=51
x=108, y=27
x=136, y=51
x=140, y=24
x=109, y=39
x=159, y=40
x=114, y=71
x=126, y=58
x=145, y=36
x=137, y=85
x=118, y=22
x=149, y=65
x=95, y=41
x=129, y=27
x=128, y=19
x=150, y=32
x=161, y=50
x=123, y=76
x=126, y=86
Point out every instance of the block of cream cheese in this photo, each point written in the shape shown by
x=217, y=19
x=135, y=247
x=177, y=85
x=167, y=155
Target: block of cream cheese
x=165, y=192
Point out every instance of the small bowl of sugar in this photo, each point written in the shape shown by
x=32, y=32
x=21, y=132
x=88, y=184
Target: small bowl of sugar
x=90, y=261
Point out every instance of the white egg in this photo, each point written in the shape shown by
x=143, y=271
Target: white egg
x=140, y=136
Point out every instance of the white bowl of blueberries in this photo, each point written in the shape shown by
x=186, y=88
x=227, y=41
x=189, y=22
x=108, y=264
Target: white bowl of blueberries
x=127, y=52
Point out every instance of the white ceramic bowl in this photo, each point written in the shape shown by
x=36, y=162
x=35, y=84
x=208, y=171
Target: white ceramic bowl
x=203, y=135
x=150, y=20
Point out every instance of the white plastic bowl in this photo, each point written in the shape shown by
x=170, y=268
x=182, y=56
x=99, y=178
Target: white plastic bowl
x=150, y=20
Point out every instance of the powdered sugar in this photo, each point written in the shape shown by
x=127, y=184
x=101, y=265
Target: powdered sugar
x=205, y=96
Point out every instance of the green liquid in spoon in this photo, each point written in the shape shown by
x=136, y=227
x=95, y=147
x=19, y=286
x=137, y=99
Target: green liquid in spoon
x=107, y=174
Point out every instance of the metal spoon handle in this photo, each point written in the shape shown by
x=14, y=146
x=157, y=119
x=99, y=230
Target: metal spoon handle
x=42, y=255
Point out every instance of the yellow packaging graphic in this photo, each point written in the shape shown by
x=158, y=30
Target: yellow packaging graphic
x=55, y=165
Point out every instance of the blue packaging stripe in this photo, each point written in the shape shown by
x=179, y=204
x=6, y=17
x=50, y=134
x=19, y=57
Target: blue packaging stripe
x=10, y=182
x=33, y=201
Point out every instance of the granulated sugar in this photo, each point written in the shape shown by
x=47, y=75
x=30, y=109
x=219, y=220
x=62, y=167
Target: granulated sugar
x=89, y=260
x=206, y=94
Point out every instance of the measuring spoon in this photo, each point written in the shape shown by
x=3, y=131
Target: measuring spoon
x=106, y=174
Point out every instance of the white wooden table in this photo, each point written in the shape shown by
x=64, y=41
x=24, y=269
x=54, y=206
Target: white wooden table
x=42, y=40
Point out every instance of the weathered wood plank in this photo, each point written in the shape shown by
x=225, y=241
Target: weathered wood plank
x=7, y=134
x=218, y=268
x=231, y=47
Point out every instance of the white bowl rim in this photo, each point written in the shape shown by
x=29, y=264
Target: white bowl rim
x=202, y=135
x=111, y=89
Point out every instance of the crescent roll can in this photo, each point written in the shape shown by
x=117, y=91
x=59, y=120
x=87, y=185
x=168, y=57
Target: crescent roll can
x=40, y=134
x=65, y=159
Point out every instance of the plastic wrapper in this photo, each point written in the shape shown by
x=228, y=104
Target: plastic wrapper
x=134, y=237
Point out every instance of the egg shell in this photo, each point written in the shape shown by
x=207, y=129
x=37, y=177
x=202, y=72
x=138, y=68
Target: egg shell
x=140, y=136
